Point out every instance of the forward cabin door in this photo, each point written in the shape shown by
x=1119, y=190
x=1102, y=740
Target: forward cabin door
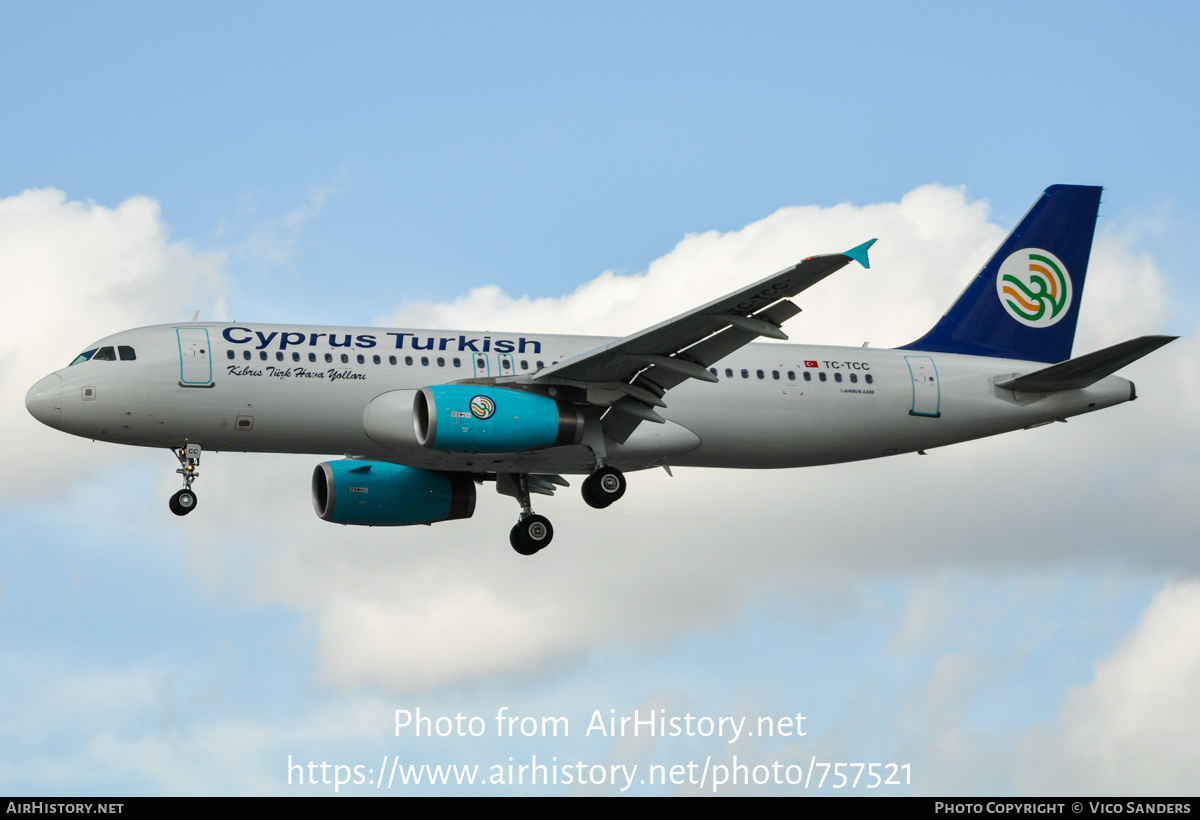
x=195, y=357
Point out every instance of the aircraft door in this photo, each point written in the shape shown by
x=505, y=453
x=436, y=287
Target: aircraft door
x=505, y=361
x=195, y=359
x=482, y=366
x=927, y=394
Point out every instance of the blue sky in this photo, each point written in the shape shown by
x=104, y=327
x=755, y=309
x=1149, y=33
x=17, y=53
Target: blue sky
x=475, y=165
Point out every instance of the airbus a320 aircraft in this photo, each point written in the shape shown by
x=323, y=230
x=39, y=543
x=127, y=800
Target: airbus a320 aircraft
x=424, y=416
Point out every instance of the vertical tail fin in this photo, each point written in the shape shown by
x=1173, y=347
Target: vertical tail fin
x=1024, y=303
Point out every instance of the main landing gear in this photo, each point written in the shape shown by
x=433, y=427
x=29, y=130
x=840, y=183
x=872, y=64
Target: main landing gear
x=184, y=501
x=603, y=487
x=532, y=532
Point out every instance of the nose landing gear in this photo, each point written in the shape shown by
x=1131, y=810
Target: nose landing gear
x=184, y=501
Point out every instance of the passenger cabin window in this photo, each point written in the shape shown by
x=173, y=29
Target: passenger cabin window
x=295, y=356
x=758, y=373
x=361, y=359
x=126, y=353
x=807, y=376
x=457, y=362
x=376, y=359
x=775, y=375
x=870, y=379
x=408, y=360
x=345, y=359
x=822, y=375
x=228, y=354
x=791, y=376
x=837, y=377
x=312, y=357
x=729, y=372
x=853, y=378
x=424, y=361
x=328, y=358
x=441, y=362
x=84, y=356
x=246, y=355
x=391, y=359
x=262, y=354
x=279, y=356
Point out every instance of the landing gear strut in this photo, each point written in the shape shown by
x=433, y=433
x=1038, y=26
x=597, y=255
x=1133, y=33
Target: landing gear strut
x=532, y=532
x=603, y=487
x=184, y=501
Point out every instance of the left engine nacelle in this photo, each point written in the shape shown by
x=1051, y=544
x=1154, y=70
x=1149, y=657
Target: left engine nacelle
x=462, y=418
x=378, y=494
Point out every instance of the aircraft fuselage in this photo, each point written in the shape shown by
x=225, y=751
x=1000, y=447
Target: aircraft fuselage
x=775, y=406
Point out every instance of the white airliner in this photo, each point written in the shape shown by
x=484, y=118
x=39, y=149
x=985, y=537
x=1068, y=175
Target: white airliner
x=424, y=416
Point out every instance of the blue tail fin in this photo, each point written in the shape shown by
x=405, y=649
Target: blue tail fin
x=1024, y=303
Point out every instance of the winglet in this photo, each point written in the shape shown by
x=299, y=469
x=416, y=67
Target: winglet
x=859, y=254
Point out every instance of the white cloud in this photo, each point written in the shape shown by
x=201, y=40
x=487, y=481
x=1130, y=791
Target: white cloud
x=411, y=608
x=930, y=243
x=74, y=272
x=274, y=240
x=1134, y=727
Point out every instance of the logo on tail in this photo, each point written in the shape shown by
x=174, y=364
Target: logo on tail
x=1034, y=287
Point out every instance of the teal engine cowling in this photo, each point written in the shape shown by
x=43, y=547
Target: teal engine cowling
x=465, y=418
x=378, y=494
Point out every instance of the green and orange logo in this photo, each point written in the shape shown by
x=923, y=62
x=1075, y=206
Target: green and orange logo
x=1034, y=287
x=482, y=407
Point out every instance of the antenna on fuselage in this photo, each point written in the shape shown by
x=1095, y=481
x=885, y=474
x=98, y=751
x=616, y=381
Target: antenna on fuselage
x=195, y=317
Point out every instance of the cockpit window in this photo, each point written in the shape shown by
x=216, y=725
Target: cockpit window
x=84, y=356
x=127, y=353
x=105, y=354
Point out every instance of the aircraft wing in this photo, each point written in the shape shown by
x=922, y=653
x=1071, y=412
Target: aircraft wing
x=631, y=375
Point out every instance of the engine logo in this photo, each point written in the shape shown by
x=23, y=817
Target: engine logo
x=1034, y=287
x=482, y=407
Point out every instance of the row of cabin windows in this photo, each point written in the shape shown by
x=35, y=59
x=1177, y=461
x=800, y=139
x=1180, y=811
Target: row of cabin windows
x=106, y=354
x=791, y=375
x=376, y=359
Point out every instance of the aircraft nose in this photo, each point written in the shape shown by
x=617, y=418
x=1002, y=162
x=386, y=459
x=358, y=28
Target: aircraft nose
x=44, y=400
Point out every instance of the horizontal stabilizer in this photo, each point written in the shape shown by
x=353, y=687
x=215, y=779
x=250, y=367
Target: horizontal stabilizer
x=1084, y=371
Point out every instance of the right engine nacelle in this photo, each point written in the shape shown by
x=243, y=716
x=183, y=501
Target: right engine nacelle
x=378, y=494
x=462, y=418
